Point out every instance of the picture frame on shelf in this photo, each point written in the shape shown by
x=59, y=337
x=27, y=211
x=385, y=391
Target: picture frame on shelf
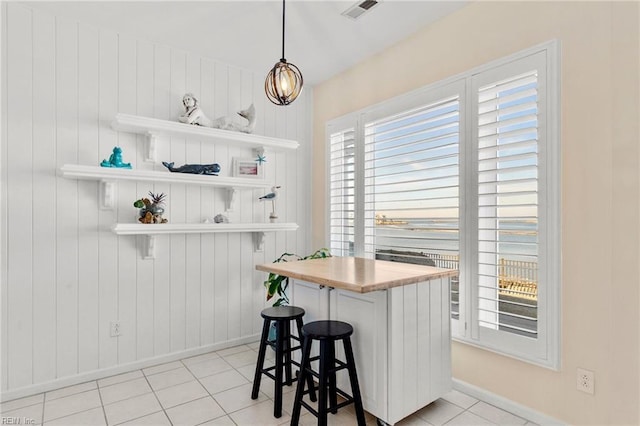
x=247, y=168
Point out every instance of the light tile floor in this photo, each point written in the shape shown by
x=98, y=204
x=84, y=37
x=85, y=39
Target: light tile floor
x=211, y=389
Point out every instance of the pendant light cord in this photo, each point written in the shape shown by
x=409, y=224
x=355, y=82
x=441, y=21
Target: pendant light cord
x=283, y=59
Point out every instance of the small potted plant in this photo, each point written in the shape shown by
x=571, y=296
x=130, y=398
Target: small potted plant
x=277, y=284
x=151, y=210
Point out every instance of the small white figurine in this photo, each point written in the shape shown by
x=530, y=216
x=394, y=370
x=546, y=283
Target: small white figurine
x=225, y=123
x=271, y=197
x=193, y=114
x=220, y=218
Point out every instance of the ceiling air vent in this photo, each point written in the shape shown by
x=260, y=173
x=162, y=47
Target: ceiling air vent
x=358, y=9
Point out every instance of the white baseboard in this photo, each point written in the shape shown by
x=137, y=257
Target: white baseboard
x=119, y=369
x=506, y=404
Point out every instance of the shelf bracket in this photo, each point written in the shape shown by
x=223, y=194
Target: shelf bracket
x=231, y=198
x=107, y=194
x=258, y=241
x=150, y=148
x=149, y=247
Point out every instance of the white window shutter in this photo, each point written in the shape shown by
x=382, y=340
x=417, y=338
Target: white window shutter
x=464, y=174
x=411, y=186
x=508, y=137
x=508, y=204
x=411, y=176
x=342, y=192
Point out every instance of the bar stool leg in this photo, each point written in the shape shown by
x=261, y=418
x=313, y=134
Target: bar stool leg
x=322, y=385
x=333, y=394
x=287, y=353
x=277, y=399
x=260, y=362
x=312, y=388
x=353, y=378
x=304, y=374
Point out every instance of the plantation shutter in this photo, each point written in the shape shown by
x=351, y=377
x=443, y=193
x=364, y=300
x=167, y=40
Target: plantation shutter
x=464, y=174
x=411, y=185
x=342, y=192
x=509, y=103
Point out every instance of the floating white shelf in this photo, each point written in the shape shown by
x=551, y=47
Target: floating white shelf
x=198, y=228
x=107, y=176
x=153, y=127
x=151, y=230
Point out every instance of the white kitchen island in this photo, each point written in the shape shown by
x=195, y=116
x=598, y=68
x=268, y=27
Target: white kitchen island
x=401, y=319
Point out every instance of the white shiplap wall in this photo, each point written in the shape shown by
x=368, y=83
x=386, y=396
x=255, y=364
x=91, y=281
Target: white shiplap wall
x=65, y=275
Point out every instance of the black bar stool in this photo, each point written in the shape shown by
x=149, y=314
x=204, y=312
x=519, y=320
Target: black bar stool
x=282, y=316
x=327, y=332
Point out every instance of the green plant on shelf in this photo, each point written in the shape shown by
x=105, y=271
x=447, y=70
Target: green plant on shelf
x=151, y=210
x=276, y=285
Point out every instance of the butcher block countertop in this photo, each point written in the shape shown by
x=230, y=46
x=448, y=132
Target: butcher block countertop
x=356, y=274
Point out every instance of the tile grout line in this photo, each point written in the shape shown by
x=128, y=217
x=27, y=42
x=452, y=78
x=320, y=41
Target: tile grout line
x=209, y=394
x=153, y=391
x=44, y=399
x=226, y=414
x=74, y=413
x=104, y=412
x=181, y=364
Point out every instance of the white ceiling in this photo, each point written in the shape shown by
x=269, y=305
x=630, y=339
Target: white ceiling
x=247, y=34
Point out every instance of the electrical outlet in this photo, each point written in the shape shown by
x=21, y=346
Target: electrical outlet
x=115, y=328
x=585, y=381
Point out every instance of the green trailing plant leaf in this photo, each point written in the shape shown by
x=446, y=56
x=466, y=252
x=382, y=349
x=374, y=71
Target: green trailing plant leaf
x=274, y=285
x=277, y=284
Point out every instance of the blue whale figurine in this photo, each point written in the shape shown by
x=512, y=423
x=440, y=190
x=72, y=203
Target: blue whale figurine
x=197, y=169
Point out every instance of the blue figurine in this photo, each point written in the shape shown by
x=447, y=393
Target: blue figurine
x=115, y=160
x=197, y=169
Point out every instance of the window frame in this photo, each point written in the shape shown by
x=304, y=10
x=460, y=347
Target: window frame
x=465, y=329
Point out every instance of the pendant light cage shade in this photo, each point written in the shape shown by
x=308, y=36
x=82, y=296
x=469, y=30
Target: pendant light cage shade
x=283, y=83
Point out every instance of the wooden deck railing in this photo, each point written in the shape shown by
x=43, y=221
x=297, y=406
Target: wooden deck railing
x=518, y=278
x=515, y=278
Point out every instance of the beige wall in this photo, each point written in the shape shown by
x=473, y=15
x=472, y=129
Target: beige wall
x=600, y=189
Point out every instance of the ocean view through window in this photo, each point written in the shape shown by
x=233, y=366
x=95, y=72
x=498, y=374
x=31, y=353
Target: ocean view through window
x=463, y=174
x=411, y=187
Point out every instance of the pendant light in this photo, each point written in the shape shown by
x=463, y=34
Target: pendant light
x=284, y=82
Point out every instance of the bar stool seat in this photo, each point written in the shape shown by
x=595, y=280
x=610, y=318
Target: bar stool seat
x=327, y=330
x=276, y=313
x=327, y=333
x=282, y=317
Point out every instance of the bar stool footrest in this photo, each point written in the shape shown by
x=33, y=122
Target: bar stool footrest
x=346, y=396
x=266, y=372
x=344, y=403
x=310, y=408
x=329, y=371
x=348, y=400
x=295, y=348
